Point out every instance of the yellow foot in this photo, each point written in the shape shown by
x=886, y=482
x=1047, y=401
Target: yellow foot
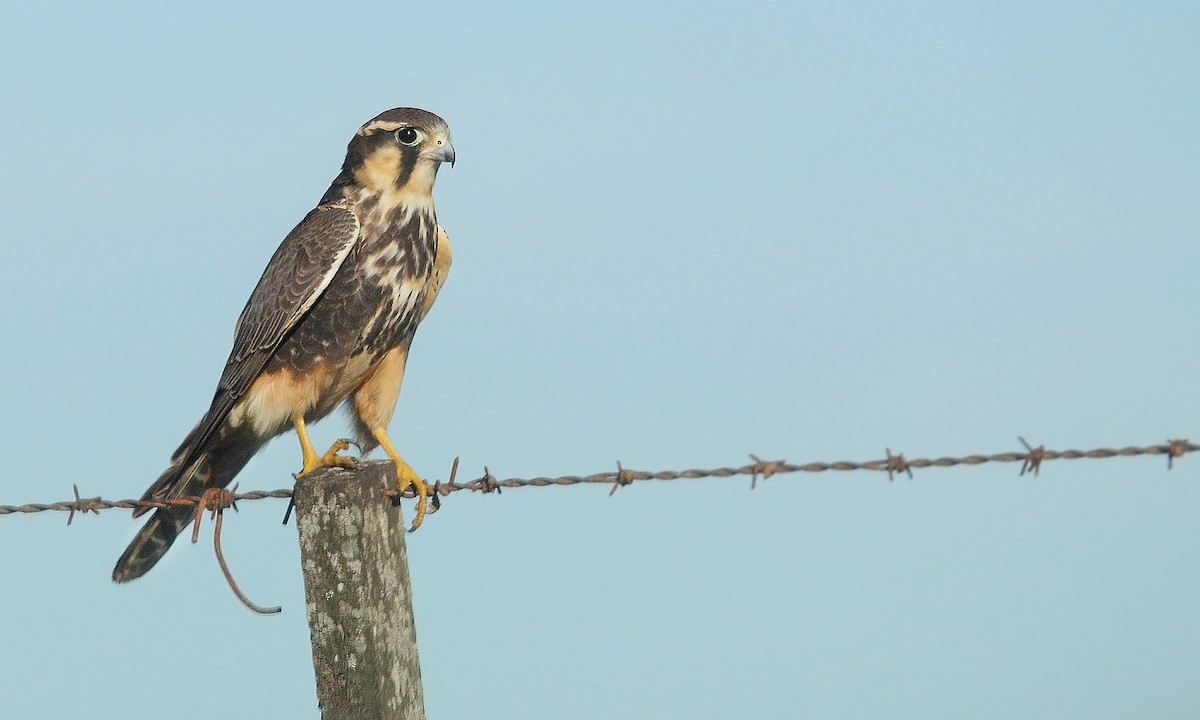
x=330, y=459
x=406, y=476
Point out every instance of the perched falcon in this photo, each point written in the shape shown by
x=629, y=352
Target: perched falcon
x=331, y=320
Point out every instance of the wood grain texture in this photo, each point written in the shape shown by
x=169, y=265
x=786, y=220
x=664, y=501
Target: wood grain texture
x=359, y=600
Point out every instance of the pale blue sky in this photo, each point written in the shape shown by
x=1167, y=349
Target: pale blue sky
x=683, y=232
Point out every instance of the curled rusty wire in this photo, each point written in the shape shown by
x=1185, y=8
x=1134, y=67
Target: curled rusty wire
x=216, y=500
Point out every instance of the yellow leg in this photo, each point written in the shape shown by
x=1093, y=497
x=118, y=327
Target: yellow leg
x=405, y=476
x=312, y=461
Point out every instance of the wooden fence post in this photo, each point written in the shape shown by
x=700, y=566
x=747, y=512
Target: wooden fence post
x=356, y=584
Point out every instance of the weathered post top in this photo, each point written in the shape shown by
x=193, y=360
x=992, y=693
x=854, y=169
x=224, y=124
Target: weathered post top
x=359, y=600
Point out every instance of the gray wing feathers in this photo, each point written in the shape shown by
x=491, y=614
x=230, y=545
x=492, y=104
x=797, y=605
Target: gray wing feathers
x=298, y=273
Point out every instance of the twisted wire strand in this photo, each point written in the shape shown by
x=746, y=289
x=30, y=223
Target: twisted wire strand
x=1031, y=461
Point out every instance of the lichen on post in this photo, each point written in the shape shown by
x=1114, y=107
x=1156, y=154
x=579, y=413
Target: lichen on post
x=359, y=600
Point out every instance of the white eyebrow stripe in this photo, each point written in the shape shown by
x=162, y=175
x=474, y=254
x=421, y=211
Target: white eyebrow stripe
x=389, y=125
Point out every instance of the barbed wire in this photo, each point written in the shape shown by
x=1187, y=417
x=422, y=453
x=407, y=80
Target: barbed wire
x=1031, y=462
x=216, y=500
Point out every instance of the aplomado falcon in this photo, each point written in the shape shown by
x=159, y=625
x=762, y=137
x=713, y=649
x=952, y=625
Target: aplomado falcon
x=331, y=320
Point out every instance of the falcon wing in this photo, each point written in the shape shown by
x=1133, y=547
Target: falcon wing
x=298, y=273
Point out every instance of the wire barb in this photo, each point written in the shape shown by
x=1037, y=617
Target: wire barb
x=766, y=468
x=214, y=500
x=488, y=483
x=623, y=477
x=439, y=490
x=84, y=505
x=897, y=463
x=1176, y=448
x=1033, y=461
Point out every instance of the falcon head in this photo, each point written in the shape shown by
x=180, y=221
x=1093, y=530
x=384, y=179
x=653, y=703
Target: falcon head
x=398, y=152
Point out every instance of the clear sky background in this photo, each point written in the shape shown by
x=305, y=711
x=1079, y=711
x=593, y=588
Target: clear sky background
x=683, y=232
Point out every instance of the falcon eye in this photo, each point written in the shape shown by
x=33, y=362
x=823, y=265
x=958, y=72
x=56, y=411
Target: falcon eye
x=407, y=136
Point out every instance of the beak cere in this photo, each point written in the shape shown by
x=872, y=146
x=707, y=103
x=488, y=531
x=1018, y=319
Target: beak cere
x=445, y=152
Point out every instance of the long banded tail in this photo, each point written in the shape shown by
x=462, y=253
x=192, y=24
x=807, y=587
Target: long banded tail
x=152, y=542
x=157, y=535
x=215, y=466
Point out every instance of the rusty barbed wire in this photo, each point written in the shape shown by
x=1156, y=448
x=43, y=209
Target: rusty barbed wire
x=96, y=504
x=1032, y=461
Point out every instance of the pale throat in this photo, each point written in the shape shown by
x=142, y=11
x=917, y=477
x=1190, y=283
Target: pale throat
x=377, y=181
